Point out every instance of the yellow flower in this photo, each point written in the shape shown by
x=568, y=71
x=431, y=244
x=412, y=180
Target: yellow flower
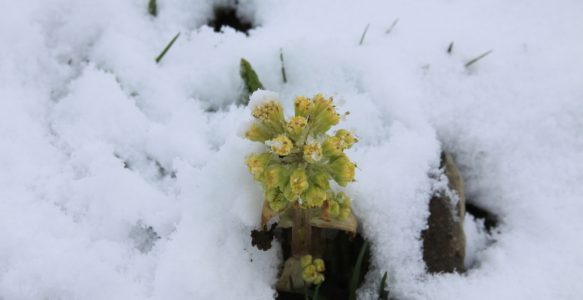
x=323, y=115
x=278, y=204
x=331, y=147
x=343, y=199
x=344, y=213
x=281, y=145
x=258, y=133
x=319, y=264
x=298, y=181
x=270, y=110
x=339, y=207
x=271, y=114
x=346, y=138
x=319, y=279
x=274, y=176
x=309, y=274
x=303, y=106
x=257, y=164
x=342, y=170
x=312, y=153
x=333, y=209
x=296, y=126
x=312, y=269
x=321, y=179
x=305, y=260
x=315, y=196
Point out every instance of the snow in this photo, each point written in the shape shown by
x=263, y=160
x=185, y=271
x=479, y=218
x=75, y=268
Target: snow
x=100, y=143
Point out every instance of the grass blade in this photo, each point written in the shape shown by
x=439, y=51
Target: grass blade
x=392, y=26
x=317, y=292
x=250, y=79
x=283, y=75
x=356, y=272
x=383, y=295
x=450, y=48
x=159, y=58
x=363, y=34
x=473, y=61
x=153, y=8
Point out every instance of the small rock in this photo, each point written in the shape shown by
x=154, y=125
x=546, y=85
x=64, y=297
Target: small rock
x=444, y=241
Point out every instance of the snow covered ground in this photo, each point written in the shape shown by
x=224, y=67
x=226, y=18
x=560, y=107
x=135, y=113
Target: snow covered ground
x=117, y=182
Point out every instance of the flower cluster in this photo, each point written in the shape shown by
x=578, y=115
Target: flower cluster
x=302, y=158
x=312, y=269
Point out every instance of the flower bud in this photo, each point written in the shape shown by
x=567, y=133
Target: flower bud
x=321, y=179
x=344, y=213
x=333, y=209
x=343, y=199
x=342, y=170
x=309, y=274
x=278, y=205
x=319, y=279
x=323, y=115
x=319, y=264
x=331, y=147
x=312, y=269
x=271, y=114
x=305, y=260
x=257, y=164
x=315, y=196
x=312, y=153
x=274, y=176
x=295, y=127
x=303, y=106
x=281, y=145
x=258, y=132
x=298, y=181
x=346, y=138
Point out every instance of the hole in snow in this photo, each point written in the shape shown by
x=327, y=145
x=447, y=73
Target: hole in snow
x=340, y=252
x=479, y=224
x=489, y=219
x=229, y=16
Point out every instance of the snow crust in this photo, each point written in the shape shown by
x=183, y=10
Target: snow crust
x=98, y=143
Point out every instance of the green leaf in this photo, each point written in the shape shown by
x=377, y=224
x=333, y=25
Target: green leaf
x=356, y=272
x=250, y=78
x=153, y=8
x=159, y=58
x=383, y=295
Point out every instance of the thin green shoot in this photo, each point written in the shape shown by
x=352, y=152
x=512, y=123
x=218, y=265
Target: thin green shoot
x=479, y=57
x=392, y=26
x=363, y=34
x=250, y=79
x=153, y=8
x=159, y=58
x=316, y=292
x=356, y=272
x=283, y=75
x=383, y=295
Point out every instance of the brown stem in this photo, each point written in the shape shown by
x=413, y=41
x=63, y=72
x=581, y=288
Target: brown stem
x=301, y=232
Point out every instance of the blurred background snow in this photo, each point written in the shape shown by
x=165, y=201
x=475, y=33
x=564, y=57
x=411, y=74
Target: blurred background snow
x=121, y=178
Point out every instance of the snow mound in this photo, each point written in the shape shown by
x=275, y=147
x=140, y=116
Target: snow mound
x=124, y=179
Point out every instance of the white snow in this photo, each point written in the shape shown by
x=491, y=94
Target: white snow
x=98, y=142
